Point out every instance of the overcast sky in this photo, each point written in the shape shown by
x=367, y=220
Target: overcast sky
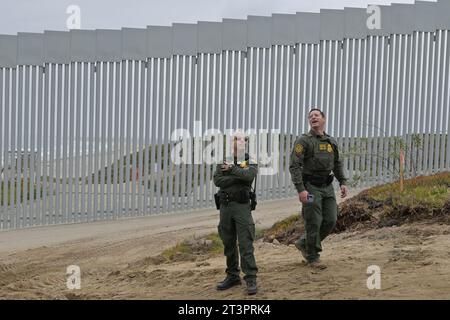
x=39, y=15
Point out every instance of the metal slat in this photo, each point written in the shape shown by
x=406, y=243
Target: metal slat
x=14, y=148
x=367, y=114
x=84, y=146
x=161, y=113
x=202, y=65
x=412, y=127
x=57, y=146
x=420, y=103
x=6, y=147
x=276, y=115
x=295, y=104
x=116, y=141
x=447, y=76
x=102, y=137
x=168, y=170
x=32, y=144
x=433, y=104
x=336, y=67
x=360, y=102
x=303, y=88
x=375, y=112
x=427, y=96
x=392, y=127
x=148, y=125
x=108, y=138
x=131, y=136
x=152, y=83
x=210, y=120
x=165, y=155
x=39, y=144
x=271, y=110
x=197, y=180
x=365, y=109
x=423, y=104
x=143, y=145
x=407, y=116
x=402, y=89
x=283, y=120
x=66, y=168
x=128, y=147
x=242, y=58
x=96, y=141
x=59, y=218
x=209, y=116
x=192, y=107
x=345, y=96
x=172, y=116
x=446, y=101
x=122, y=167
x=26, y=212
x=266, y=118
x=134, y=146
x=252, y=130
x=383, y=104
x=21, y=154
x=183, y=122
x=2, y=146
x=139, y=140
x=350, y=102
x=314, y=84
x=19, y=124
x=90, y=213
x=439, y=164
x=10, y=150
x=179, y=121
x=380, y=112
x=290, y=119
x=51, y=143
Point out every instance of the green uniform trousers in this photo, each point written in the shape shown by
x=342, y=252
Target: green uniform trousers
x=236, y=226
x=320, y=218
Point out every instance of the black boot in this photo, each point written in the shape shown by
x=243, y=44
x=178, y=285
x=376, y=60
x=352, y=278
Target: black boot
x=252, y=288
x=228, y=282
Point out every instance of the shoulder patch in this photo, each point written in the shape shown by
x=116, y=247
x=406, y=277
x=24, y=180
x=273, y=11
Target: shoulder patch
x=298, y=148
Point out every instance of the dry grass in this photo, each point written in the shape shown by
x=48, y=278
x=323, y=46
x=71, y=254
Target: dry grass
x=424, y=198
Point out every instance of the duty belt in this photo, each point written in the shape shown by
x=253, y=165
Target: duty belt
x=318, y=181
x=226, y=197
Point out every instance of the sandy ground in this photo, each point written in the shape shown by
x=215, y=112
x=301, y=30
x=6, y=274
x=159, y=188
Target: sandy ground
x=115, y=258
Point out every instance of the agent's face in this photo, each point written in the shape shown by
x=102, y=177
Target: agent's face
x=316, y=121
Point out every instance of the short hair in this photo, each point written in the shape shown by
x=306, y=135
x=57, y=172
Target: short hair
x=239, y=134
x=316, y=109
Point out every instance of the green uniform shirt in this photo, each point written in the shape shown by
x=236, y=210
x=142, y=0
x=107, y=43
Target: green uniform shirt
x=315, y=155
x=236, y=178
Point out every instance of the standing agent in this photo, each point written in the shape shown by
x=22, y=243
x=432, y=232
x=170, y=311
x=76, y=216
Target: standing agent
x=236, y=223
x=314, y=159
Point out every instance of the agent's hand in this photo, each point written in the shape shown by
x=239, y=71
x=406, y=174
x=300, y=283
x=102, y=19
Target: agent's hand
x=344, y=191
x=303, y=197
x=225, y=167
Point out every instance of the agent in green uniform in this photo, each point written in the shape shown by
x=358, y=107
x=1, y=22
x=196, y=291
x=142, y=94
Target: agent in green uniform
x=236, y=223
x=314, y=163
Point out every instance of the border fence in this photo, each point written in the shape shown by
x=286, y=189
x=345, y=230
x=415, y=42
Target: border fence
x=87, y=117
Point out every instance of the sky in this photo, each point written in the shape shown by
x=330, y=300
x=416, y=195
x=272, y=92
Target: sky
x=39, y=15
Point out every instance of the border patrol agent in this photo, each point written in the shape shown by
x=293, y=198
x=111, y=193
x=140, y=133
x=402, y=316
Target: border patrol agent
x=236, y=222
x=314, y=159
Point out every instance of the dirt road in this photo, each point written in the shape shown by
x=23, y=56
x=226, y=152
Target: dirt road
x=115, y=258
